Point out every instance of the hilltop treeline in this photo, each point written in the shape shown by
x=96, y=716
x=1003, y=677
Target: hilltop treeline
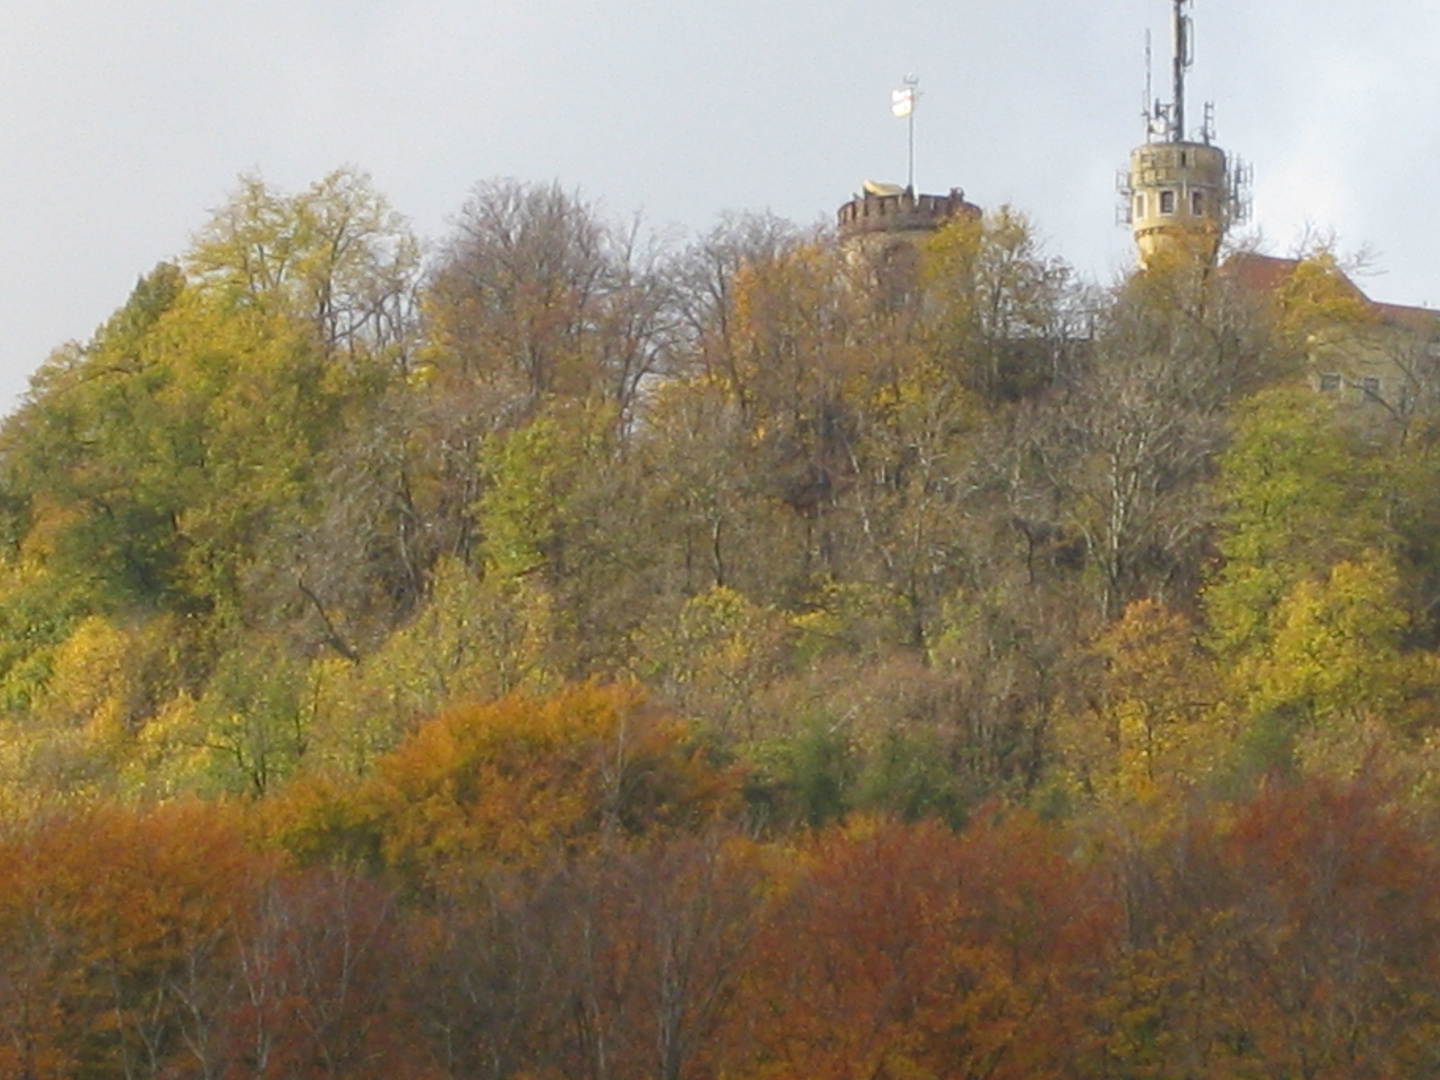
x=910, y=530
x=548, y=610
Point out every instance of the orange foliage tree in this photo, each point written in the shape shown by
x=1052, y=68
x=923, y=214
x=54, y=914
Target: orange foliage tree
x=515, y=782
x=1295, y=937
x=116, y=932
x=160, y=944
x=913, y=951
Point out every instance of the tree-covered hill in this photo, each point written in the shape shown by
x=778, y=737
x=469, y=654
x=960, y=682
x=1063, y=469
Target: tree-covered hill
x=887, y=518
x=551, y=652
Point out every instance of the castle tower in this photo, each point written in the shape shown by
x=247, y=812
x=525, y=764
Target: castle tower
x=885, y=214
x=878, y=229
x=1180, y=192
x=883, y=220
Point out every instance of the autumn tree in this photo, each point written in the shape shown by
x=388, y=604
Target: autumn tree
x=908, y=950
x=515, y=780
x=315, y=993
x=1301, y=493
x=1156, y=728
x=1128, y=448
x=123, y=972
x=1291, y=940
x=335, y=256
x=1000, y=313
x=658, y=942
x=537, y=294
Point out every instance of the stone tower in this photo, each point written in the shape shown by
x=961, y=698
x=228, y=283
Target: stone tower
x=885, y=214
x=1181, y=192
x=878, y=229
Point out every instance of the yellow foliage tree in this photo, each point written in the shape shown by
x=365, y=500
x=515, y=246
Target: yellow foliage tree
x=474, y=640
x=1155, y=728
x=1337, y=667
x=715, y=657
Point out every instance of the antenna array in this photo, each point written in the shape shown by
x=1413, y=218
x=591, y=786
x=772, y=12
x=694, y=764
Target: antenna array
x=1166, y=119
x=1181, y=191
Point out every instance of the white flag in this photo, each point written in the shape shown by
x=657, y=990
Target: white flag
x=902, y=102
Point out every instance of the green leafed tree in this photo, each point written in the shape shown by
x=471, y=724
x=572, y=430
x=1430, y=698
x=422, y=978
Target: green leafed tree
x=1300, y=492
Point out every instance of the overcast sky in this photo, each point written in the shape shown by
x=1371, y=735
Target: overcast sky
x=123, y=124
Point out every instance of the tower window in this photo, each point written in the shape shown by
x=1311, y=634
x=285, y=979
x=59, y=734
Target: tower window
x=1330, y=382
x=1139, y=206
x=1197, y=203
x=1370, y=388
x=1167, y=202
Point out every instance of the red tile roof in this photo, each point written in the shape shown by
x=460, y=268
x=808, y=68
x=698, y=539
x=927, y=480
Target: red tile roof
x=1266, y=273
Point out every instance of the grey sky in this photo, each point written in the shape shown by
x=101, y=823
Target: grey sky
x=122, y=124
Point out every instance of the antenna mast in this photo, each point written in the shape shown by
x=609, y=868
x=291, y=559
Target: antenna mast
x=1184, y=57
x=1149, y=100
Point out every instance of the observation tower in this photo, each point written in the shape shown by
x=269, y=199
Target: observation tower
x=1182, y=192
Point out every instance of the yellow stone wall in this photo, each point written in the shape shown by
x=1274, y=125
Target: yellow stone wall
x=1179, y=191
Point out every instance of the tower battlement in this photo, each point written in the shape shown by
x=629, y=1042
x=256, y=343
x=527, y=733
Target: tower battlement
x=890, y=209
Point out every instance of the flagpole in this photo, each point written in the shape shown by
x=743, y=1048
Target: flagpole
x=902, y=102
x=911, y=118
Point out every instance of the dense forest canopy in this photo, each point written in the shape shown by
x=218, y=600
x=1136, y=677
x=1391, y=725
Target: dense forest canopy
x=606, y=632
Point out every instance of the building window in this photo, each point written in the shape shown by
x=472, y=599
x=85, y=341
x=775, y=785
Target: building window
x=1330, y=382
x=1197, y=203
x=1370, y=388
x=1167, y=202
x=1139, y=206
